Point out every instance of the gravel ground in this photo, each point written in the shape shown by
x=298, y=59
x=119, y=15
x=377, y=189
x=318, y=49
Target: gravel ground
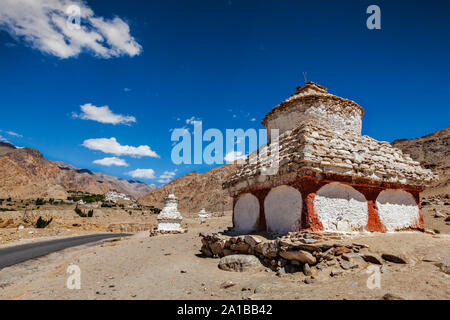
x=167, y=267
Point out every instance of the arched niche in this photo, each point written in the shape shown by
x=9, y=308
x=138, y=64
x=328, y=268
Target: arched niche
x=283, y=209
x=246, y=212
x=341, y=208
x=397, y=209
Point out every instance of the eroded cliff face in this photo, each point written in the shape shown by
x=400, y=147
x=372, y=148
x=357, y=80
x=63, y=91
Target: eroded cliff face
x=25, y=173
x=433, y=152
x=196, y=191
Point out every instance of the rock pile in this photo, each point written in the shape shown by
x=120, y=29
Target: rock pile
x=297, y=252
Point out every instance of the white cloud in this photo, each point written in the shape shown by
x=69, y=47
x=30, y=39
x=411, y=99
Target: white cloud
x=126, y=89
x=113, y=161
x=12, y=133
x=102, y=114
x=235, y=156
x=113, y=147
x=167, y=176
x=193, y=120
x=3, y=139
x=252, y=119
x=143, y=173
x=43, y=25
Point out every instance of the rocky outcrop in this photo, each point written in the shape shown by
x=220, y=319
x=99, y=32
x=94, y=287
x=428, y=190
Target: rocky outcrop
x=195, y=191
x=433, y=152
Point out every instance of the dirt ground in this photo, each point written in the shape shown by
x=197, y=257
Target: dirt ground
x=167, y=267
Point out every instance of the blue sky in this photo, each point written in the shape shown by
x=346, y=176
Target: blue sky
x=223, y=62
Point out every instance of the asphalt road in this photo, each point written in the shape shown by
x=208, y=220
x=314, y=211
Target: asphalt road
x=16, y=254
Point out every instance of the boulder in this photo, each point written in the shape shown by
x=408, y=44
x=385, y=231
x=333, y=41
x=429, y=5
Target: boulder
x=239, y=263
x=252, y=241
x=206, y=251
x=300, y=255
x=217, y=247
x=269, y=249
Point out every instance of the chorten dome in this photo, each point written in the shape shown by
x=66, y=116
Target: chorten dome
x=313, y=102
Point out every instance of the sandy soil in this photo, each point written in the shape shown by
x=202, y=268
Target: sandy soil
x=167, y=267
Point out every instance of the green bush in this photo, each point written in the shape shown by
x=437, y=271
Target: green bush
x=39, y=202
x=42, y=223
x=87, y=198
x=82, y=214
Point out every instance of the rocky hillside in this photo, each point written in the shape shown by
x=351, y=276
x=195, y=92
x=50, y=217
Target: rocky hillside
x=195, y=191
x=433, y=152
x=25, y=173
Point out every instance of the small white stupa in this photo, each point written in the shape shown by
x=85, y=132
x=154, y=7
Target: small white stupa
x=203, y=214
x=169, y=220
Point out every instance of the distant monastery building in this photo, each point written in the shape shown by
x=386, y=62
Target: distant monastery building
x=330, y=177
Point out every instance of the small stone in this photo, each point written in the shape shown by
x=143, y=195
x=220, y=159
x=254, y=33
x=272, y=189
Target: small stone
x=240, y=246
x=341, y=250
x=360, y=245
x=393, y=258
x=331, y=262
x=306, y=270
x=321, y=266
x=390, y=296
x=352, y=257
x=183, y=271
x=372, y=258
x=227, y=284
x=444, y=266
x=347, y=265
x=336, y=272
x=309, y=280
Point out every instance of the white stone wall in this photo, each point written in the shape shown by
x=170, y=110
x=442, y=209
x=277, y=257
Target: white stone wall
x=341, y=207
x=326, y=115
x=397, y=209
x=283, y=209
x=246, y=212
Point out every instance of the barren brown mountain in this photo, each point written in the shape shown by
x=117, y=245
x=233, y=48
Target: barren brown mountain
x=25, y=173
x=433, y=152
x=195, y=191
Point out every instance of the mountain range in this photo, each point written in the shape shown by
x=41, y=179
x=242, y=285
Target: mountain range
x=25, y=173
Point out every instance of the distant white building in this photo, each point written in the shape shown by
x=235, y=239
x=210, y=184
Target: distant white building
x=113, y=196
